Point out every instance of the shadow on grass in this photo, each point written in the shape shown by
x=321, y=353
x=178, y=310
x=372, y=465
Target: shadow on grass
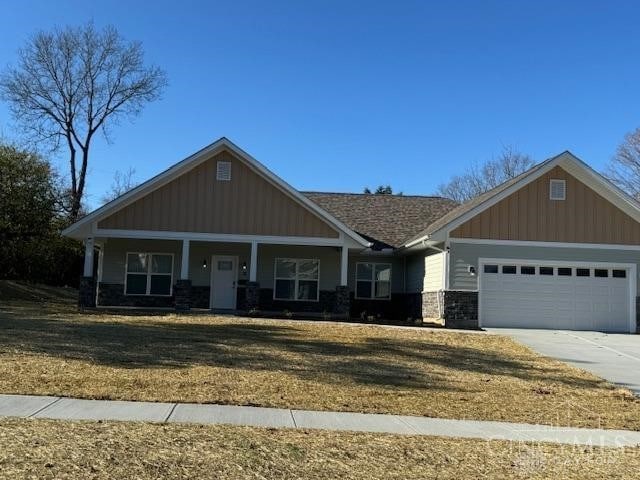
x=384, y=362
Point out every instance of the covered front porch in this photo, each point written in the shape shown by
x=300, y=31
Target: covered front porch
x=227, y=276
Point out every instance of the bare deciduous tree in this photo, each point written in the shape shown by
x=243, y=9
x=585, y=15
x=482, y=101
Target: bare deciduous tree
x=624, y=167
x=122, y=183
x=482, y=178
x=70, y=83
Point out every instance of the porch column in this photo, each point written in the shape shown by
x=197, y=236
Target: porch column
x=88, y=257
x=343, y=297
x=344, y=265
x=184, y=267
x=252, y=290
x=87, y=290
x=183, y=285
x=253, y=264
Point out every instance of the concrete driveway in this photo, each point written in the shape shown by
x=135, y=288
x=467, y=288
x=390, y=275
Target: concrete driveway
x=612, y=356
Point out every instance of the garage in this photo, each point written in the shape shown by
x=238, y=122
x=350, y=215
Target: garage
x=556, y=295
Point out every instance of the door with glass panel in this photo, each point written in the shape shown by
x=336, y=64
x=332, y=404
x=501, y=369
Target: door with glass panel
x=223, y=282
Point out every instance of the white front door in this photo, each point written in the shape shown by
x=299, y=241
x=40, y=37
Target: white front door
x=223, y=281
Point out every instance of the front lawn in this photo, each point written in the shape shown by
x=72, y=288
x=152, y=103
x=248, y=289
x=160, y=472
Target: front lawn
x=111, y=450
x=51, y=349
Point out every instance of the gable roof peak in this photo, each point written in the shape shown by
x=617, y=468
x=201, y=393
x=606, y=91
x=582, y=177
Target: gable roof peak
x=82, y=227
x=566, y=159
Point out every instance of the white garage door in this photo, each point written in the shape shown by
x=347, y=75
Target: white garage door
x=561, y=296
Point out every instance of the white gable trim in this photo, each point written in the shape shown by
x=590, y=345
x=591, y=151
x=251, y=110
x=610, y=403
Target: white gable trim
x=226, y=237
x=83, y=226
x=528, y=243
x=569, y=162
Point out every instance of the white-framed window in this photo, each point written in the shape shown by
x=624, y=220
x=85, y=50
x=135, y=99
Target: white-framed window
x=373, y=281
x=148, y=274
x=296, y=279
x=557, y=189
x=223, y=171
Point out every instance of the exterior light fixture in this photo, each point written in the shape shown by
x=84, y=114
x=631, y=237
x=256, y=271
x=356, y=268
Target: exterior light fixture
x=204, y=263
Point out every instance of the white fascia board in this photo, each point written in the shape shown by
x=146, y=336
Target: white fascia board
x=295, y=194
x=144, y=188
x=217, y=237
x=500, y=196
x=428, y=241
x=602, y=186
x=193, y=161
x=523, y=243
x=572, y=165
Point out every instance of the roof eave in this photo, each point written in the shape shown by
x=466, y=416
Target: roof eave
x=80, y=227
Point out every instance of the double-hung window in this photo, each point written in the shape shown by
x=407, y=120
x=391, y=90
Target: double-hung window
x=373, y=280
x=149, y=274
x=296, y=279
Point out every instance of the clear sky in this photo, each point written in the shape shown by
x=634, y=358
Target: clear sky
x=338, y=95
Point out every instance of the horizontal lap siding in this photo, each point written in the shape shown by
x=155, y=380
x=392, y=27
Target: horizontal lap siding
x=434, y=271
x=197, y=202
x=415, y=265
x=115, y=253
x=201, y=251
x=397, y=270
x=329, y=263
x=462, y=255
x=528, y=214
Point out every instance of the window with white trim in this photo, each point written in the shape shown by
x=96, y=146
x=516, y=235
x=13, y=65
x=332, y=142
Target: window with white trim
x=149, y=274
x=373, y=281
x=296, y=279
x=557, y=189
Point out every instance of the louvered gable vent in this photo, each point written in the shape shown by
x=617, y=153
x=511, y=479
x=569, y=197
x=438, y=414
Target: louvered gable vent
x=223, y=171
x=557, y=189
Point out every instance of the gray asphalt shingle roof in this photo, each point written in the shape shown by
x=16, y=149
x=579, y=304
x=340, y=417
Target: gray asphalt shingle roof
x=385, y=220
x=474, y=202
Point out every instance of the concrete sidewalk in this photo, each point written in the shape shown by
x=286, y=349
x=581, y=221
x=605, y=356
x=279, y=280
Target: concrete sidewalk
x=28, y=406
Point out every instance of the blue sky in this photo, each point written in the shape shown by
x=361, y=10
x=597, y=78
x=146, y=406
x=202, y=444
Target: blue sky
x=338, y=95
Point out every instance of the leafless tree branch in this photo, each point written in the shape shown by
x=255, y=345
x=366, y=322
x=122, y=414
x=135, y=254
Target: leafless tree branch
x=70, y=83
x=122, y=183
x=482, y=178
x=624, y=168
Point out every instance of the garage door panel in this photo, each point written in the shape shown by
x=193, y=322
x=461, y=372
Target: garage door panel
x=555, y=301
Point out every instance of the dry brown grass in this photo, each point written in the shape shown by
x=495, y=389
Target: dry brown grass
x=51, y=349
x=54, y=449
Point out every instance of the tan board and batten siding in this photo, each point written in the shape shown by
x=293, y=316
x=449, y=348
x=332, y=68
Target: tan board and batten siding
x=197, y=202
x=529, y=215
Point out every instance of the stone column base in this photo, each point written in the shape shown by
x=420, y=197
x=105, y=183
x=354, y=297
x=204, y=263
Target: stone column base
x=252, y=293
x=431, y=305
x=461, y=309
x=343, y=300
x=87, y=293
x=182, y=292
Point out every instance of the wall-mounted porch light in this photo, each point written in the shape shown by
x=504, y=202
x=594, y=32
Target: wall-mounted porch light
x=244, y=268
x=204, y=263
